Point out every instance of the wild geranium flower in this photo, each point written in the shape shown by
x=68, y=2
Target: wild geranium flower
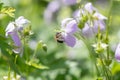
x=117, y=53
x=13, y=29
x=69, y=2
x=90, y=30
x=89, y=7
x=54, y=6
x=68, y=28
x=90, y=19
x=21, y=23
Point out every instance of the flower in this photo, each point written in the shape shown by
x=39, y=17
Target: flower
x=69, y=27
x=13, y=29
x=117, y=53
x=10, y=28
x=89, y=7
x=92, y=29
x=69, y=2
x=89, y=20
x=51, y=9
x=21, y=22
x=54, y=6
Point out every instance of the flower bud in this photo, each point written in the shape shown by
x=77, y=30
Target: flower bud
x=44, y=46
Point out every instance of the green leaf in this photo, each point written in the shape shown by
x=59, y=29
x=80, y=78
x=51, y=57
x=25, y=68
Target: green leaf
x=35, y=63
x=39, y=66
x=116, y=7
x=9, y=11
x=115, y=68
x=1, y=5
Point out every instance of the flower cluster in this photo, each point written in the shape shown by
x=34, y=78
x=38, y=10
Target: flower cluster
x=14, y=29
x=87, y=20
x=90, y=20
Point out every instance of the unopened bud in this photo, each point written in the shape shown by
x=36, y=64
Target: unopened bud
x=44, y=46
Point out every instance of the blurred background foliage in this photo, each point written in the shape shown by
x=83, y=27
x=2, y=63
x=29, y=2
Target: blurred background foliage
x=64, y=63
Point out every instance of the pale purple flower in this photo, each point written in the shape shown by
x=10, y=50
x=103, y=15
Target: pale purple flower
x=13, y=29
x=87, y=31
x=98, y=24
x=53, y=6
x=10, y=28
x=89, y=7
x=92, y=24
x=21, y=22
x=65, y=21
x=69, y=27
x=78, y=14
x=99, y=16
x=51, y=9
x=17, y=42
x=48, y=16
x=117, y=53
x=69, y=2
x=90, y=29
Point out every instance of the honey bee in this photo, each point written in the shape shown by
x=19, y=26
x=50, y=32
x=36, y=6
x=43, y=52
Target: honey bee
x=59, y=37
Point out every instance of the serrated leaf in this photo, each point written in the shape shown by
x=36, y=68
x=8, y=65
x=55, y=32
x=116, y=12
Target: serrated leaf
x=9, y=11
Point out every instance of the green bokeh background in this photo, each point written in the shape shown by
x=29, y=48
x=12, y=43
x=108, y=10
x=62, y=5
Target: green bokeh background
x=64, y=63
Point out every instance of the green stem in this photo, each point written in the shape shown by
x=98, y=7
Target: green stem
x=25, y=49
x=9, y=73
x=108, y=25
x=39, y=44
x=104, y=68
x=93, y=59
x=26, y=55
x=15, y=64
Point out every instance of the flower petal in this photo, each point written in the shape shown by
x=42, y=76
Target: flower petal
x=10, y=28
x=70, y=40
x=65, y=21
x=69, y=2
x=53, y=6
x=98, y=23
x=21, y=22
x=87, y=31
x=48, y=16
x=89, y=7
x=78, y=14
x=99, y=16
x=117, y=53
x=71, y=27
x=16, y=41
